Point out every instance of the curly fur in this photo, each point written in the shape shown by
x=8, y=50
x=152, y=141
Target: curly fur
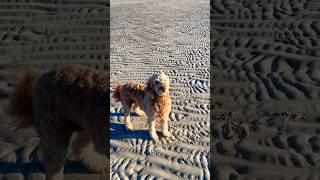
x=68, y=99
x=152, y=100
x=84, y=149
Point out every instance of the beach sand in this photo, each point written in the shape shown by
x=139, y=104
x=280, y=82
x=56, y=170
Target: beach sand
x=173, y=36
x=265, y=112
x=43, y=36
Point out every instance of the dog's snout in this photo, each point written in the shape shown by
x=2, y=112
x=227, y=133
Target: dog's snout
x=161, y=89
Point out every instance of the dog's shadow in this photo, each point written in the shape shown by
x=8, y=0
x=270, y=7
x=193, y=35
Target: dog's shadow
x=35, y=165
x=118, y=131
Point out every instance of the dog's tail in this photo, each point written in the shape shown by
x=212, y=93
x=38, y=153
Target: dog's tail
x=20, y=103
x=116, y=94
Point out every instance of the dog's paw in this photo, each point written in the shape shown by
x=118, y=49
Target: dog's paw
x=155, y=138
x=166, y=134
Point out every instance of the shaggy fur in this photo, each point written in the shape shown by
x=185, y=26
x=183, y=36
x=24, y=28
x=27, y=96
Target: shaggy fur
x=152, y=100
x=65, y=100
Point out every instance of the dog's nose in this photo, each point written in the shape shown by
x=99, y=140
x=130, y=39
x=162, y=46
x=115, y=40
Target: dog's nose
x=161, y=89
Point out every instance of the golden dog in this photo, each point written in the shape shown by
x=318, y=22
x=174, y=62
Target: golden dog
x=68, y=99
x=152, y=100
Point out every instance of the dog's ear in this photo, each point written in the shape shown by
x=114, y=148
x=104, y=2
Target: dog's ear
x=150, y=86
x=150, y=82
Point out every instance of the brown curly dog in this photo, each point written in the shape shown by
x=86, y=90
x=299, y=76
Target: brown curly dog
x=152, y=100
x=68, y=99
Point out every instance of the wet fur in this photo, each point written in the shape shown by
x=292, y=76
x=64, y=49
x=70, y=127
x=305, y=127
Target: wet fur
x=58, y=103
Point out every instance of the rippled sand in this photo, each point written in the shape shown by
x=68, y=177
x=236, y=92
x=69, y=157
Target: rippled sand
x=171, y=35
x=265, y=61
x=44, y=35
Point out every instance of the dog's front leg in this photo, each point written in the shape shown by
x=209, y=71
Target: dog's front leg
x=164, y=127
x=152, y=129
x=54, y=149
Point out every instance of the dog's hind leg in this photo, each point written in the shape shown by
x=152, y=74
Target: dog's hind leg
x=137, y=110
x=126, y=110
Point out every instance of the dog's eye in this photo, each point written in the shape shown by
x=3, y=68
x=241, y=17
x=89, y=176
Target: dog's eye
x=157, y=82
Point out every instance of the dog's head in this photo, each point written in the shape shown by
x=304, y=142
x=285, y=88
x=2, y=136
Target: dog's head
x=159, y=83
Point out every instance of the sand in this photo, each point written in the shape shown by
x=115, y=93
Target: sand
x=265, y=92
x=146, y=36
x=43, y=35
x=172, y=35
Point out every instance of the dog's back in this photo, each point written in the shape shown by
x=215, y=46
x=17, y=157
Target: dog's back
x=72, y=91
x=132, y=91
x=69, y=89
